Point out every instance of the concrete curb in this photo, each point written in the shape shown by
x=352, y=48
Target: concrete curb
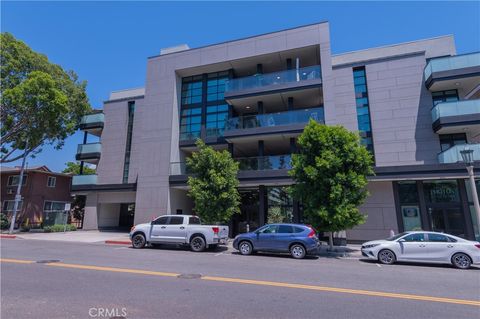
x=118, y=242
x=8, y=236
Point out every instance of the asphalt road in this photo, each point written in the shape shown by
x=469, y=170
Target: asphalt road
x=105, y=281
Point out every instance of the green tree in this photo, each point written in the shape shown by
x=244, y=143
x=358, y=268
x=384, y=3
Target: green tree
x=213, y=184
x=40, y=102
x=331, y=172
x=74, y=168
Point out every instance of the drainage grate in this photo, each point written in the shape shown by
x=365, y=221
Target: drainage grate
x=189, y=276
x=47, y=261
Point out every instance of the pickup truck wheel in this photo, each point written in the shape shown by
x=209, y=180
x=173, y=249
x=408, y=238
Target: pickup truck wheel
x=245, y=248
x=197, y=244
x=138, y=241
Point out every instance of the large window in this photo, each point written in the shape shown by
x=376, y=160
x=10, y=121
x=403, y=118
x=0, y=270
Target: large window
x=280, y=205
x=192, y=90
x=50, y=206
x=128, y=148
x=190, y=123
x=51, y=181
x=203, y=105
x=409, y=205
x=441, y=191
x=14, y=180
x=8, y=205
x=363, y=108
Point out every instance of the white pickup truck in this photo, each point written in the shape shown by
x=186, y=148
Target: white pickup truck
x=179, y=229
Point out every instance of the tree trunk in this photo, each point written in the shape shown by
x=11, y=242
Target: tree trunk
x=330, y=240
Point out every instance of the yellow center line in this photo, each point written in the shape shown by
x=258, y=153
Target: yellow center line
x=345, y=290
x=261, y=283
x=16, y=261
x=113, y=269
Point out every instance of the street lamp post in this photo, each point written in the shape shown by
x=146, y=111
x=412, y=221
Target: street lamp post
x=467, y=156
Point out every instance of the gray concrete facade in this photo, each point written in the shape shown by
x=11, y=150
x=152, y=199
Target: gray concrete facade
x=399, y=102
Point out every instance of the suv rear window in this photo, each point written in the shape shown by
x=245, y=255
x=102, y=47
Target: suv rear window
x=298, y=230
x=174, y=220
x=285, y=229
x=194, y=220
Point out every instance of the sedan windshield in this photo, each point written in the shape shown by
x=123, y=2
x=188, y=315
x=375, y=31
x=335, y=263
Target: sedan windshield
x=397, y=236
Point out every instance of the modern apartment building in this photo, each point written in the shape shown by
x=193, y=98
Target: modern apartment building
x=415, y=105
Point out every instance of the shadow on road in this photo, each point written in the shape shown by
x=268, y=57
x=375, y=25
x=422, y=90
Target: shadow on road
x=425, y=265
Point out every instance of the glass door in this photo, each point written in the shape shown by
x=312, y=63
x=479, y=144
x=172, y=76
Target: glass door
x=447, y=220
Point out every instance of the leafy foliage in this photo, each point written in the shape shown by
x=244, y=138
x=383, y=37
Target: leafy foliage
x=58, y=228
x=213, y=185
x=330, y=172
x=74, y=168
x=4, y=223
x=40, y=102
x=275, y=215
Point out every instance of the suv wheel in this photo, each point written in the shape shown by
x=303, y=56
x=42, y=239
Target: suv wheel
x=461, y=260
x=197, y=244
x=138, y=241
x=245, y=248
x=386, y=256
x=297, y=251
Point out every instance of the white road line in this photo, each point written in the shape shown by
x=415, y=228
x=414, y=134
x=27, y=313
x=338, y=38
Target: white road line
x=378, y=266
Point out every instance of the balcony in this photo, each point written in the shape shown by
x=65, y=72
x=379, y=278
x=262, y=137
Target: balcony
x=267, y=83
x=272, y=123
x=83, y=182
x=93, y=123
x=453, y=72
x=452, y=155
x=89, y=153
x=456, y=117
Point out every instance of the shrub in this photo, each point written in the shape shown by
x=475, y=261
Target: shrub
x=4, y=223
x=58, y=228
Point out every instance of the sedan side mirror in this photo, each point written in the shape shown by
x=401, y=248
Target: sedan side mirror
x=401, y=240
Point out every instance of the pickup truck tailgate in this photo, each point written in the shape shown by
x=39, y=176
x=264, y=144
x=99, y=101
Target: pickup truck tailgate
x=223, y=232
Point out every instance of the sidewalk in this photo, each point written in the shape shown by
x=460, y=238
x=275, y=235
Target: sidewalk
x=82, y=236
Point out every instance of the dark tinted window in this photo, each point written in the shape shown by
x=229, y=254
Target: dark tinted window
x=160, y=221
x=174, y=220
x=437, y=238
x=285, y=229
x=415, y=237
x=298, y=229
x=194, y=221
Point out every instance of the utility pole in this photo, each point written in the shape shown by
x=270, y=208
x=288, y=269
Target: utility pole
x=18, y=196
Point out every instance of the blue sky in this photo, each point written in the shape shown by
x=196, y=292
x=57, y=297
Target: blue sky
x=107, y=43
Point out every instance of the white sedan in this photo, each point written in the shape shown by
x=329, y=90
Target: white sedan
x=423, y=246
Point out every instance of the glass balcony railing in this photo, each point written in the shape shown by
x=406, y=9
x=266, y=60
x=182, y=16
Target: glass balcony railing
x=264, y=162
x=452, y=63
x=452, y=155
x=93, y=118
x=89, y=148
x=275, y=119
x=276, y=78
x=179, y=168
x=456, y=108
x=84, y=180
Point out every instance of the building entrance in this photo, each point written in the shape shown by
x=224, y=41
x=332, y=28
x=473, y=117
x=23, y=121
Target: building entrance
x=127, y=216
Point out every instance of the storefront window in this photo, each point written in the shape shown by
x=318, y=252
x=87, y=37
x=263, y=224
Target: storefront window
x=280, y=205
x=409, y=205
x=441, y=191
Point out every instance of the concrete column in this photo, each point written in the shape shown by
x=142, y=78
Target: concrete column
x=260, y=109
x=259, y=68
x=261, y=152
x=290, y=103
x=90, y=219
x=293, y=145
x=289, y=64
x=262, y=205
